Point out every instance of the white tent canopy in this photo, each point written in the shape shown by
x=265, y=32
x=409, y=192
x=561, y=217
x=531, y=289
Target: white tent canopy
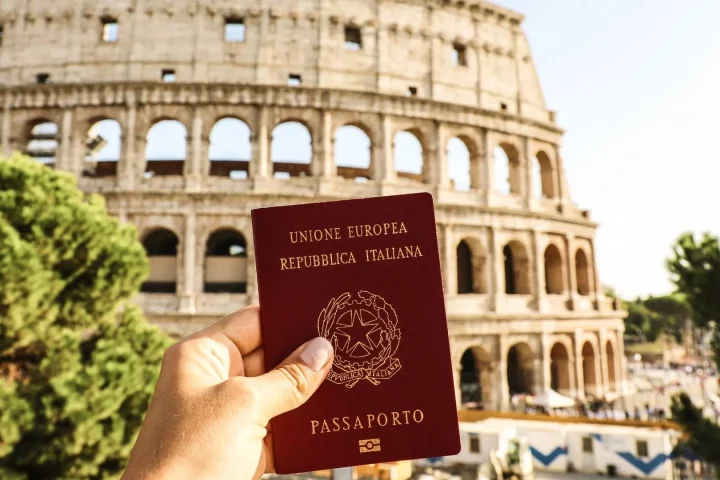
x=552, y=399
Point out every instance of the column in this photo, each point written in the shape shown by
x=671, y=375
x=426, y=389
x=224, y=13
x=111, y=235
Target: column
x=570, y=262
x=488, y=164
x=529, y=194
x=604, y=362
x=260, y=162
x=502, y=372
x=572, y=370
x=196, y=153
x=538, y=271
x=438, y=171
x=448, y=261
x=385, y=168
x=63, y=156
x=577, y=341
x=323, y=163
x=496, y=290
x=546, y=374
x=599, y=380
x=5, y=147
x=187, y=300
x=597, y=288
x=126, y=164
x=621, y=364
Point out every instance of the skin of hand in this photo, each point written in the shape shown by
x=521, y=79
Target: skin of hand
x=208, y=417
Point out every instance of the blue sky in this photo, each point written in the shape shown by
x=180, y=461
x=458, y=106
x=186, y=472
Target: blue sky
x=636, y=84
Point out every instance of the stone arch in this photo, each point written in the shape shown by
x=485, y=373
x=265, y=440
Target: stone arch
x=225, y=262
x=508, y=175
x=161, y=246
x=166, y=148
x=610, y=358
x=471, y=273
x=43, y=140
x=582, y=272
x=291, y=149
x=554, y=284
x=459, y=161
x=543, y=176
x=561, y=368
x=520, y=369
x=476, y=378
x=103, y=147
x=408, y=154
x=353, y=152
x=517, y=271
x=589, y=367
x=230, y=150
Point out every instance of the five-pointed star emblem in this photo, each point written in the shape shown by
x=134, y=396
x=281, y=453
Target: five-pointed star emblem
x=357, y=341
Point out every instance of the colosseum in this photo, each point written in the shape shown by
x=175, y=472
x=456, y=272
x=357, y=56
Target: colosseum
x=187, y=114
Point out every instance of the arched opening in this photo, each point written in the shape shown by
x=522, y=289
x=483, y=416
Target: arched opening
x=476, y=382
x=230, y=150
x=353, y=153
x=520, y=363
x=408, y=155
x=543, y=183
x=560, y=369
x=161, y=246
x=610, y=354
x=166, y=149
x=291, y=150
x=506, y=163
x=517, y=280
x=470, y=257
x=458, y=157
x=43, y=142
x=464, y=269
x=589, y=370
x=582, y=272
x=102, y=148
x=226, y=263
x=553, y=271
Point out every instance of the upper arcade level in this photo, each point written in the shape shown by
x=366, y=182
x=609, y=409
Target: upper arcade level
x=467, y=52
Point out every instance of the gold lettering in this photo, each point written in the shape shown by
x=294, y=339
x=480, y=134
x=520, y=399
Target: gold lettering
x=283, y=264
x=293, y=237
x=370, y=418
x=400, y=253
x=346, y=423
x=352, y=258
x=368, y=230
x=394, y=228
x=380, y=255
x=336, y=424
x=303, y=237
x=386, y=227
x=406, y=413
x=325, y=427
x=325, y=260
x=377, y=229
x=382, y=419
x=402, y=228
x=418, y=253
x=316, y=261
x=396, y=418
x=358, y=423
x=422, y=416
x=314, y=424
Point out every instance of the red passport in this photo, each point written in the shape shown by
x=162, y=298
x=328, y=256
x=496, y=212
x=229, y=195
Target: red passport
x=365, y=274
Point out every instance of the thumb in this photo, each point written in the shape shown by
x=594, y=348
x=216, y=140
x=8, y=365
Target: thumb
x=294, y=381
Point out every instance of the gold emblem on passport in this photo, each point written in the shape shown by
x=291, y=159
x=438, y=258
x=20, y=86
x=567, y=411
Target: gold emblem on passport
x=371, y=445
x=364, y=331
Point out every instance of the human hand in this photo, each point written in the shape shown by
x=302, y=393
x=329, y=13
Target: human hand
x=213, y=400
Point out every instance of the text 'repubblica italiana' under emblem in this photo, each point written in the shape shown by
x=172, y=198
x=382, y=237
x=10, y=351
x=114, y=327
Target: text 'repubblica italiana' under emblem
x=364, y=331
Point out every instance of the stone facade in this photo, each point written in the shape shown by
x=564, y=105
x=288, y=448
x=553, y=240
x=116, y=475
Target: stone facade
x=525, y=305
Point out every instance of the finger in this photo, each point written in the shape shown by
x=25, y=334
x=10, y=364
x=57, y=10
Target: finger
x=242, y=328
x=291, y=383
x=254, y=363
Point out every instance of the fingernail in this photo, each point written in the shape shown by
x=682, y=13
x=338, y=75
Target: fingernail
x=316, y=353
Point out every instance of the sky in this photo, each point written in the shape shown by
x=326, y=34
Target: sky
x=636, y=84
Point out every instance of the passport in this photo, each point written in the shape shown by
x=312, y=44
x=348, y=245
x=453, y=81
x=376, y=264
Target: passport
x=365, y=274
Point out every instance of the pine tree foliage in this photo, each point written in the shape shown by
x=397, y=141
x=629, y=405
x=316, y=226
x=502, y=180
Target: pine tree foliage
x=77, y=363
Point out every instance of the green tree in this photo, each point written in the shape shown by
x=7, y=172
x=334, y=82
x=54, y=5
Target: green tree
x=695, y=269
x=77, y=363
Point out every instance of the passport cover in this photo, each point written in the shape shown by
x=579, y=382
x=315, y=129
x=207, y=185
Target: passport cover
x=365, y=274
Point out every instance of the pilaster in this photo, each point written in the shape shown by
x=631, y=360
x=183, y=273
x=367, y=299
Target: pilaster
x=545, y=362
x=488, y=167
x=502, y=381
x=538, y=270
x=604, y=362
x=577, y=341
x=496, y=290
x=323, y=163
x=571, y=273
x=129, y=155
x=197, y=153
x=5, y=147
x=63, y=158
x=386, y=165
x=439, y=171
x=449, y=261
x=260, y=142
x=188, y=291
